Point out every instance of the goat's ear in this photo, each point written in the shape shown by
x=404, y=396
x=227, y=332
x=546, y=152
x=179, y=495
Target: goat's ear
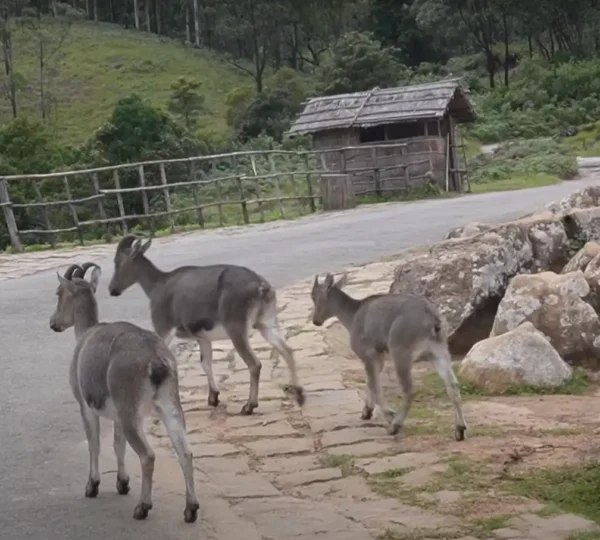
x=66, y=283
x=316, y=282
x=342, y=282
x=139, y=249
x=328, y=281
x=95, y=278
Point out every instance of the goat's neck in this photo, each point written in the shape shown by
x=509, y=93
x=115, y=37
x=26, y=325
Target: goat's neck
x=343, y=306
x=149, y=276
x=86, y=314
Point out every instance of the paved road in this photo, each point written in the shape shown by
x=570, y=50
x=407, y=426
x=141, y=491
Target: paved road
x=43, y=459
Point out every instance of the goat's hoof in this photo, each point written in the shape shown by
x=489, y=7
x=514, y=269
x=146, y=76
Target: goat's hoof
x=213, y=398
x=393, y=429
x=459, y=433
x=122, y=486
x=141, y=510
x=190, y=514
x=299, y=395
x=91, y=488
x=248, y=409
x=367, y=413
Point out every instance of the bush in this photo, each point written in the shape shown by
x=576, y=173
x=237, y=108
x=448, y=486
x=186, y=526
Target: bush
x=523, y=158
x=541, y=100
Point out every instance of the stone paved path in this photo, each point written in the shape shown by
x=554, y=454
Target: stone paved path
x=292, y=474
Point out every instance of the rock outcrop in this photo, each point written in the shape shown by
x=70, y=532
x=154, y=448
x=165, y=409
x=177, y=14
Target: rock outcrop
x=555, y=304
x=518, y=358
x=467, y=276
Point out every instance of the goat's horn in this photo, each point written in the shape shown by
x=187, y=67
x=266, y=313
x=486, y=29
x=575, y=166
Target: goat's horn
x=83, y=269
x=69, y=271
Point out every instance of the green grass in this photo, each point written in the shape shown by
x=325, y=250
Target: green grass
x=572, y=489
x=587, y=140
x=345, y=462
x=521, y=181
x=100, y=63
x=432, y=387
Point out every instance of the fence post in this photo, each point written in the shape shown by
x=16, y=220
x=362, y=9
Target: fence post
x=9, y=216
x=199, y=215
x=309, y=186
x=96, y=185
x=277, y=185
x=145, y=198
x=40, y=198
x=120, y=201
x=73, y=209
x=163, y=181
x=238, y=179
x=376, y=178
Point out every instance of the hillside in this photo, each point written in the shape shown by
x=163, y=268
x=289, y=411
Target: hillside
x=99, y=63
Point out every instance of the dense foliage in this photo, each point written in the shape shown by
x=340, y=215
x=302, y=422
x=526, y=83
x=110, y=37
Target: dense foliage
x=532, y=69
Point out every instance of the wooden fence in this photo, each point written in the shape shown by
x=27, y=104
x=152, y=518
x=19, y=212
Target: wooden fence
x=205, y=191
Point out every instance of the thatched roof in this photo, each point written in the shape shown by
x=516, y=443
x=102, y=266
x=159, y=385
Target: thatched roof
x=385, y=106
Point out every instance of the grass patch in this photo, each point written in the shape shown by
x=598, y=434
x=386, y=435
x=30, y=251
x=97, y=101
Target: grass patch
x=516, y=182
x=432, y=386
x=586, y=142
x=428, y=191
x=100, y=63
x=522, y=164
x=572, y=489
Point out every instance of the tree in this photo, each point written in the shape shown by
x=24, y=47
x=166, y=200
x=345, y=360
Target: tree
x=46, y=35
x=360, y=63
x=185, y=101
x=10, y=81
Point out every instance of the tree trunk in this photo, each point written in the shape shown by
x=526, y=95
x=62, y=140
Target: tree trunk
x=96, y=18
x=42, y=93
x=8, y=63
x=157, y=14
x=188, y=25
x=530, y=45
x=136, y=13
x=87, y=9
x=491, y=68
x=111, y=11
x=147, y=10
x=196, y=23
x=506, y=51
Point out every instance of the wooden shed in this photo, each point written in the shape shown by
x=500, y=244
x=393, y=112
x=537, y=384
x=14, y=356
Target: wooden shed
x=391, y=139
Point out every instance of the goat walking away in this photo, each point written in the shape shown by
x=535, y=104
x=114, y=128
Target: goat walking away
x=206, y=304
x=404, y=326
x=121, y=372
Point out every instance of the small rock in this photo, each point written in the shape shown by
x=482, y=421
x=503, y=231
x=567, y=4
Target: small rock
x=521, y=357
x=582, y=258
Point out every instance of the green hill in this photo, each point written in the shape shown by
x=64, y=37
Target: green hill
x=100, y=63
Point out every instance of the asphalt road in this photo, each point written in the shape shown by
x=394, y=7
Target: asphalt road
x=43, y=456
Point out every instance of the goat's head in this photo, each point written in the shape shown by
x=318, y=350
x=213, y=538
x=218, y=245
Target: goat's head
x=320, y=295
x=72, y=288
x=125, y=275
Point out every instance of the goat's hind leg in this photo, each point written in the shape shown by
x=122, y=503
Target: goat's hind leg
x=91, y=425
x=171, y=413
x=206, y=363
x=134, y=433
x=443, y=365
x=271, y=332
x=119, y=446
x=403, y=365
x=367, y=412
x=239, y=337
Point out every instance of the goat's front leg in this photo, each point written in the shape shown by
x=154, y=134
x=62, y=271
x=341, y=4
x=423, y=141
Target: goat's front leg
x=91, y=425
x=239, y=338
x=134, y=433
x=206, y=363
x=119, y=445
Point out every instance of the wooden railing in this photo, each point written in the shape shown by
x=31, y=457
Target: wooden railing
x=205, y=191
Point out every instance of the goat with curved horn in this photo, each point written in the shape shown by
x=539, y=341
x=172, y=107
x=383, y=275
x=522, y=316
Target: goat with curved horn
x=69, y=271
x=80, y=272
x=121, y=372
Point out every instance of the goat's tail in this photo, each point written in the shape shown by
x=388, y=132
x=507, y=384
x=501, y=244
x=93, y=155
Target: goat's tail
x=160, y=369
x=266, y=292
x=439, y=328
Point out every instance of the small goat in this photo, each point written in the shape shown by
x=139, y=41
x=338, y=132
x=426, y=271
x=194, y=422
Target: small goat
x=121, y=372
x=205, y=304
x=406, y=327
